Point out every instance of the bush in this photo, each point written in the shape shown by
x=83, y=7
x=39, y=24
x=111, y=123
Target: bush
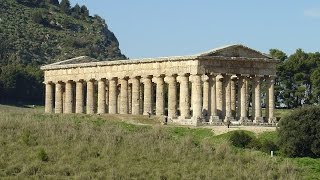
x=299, y=133
x=240, y=139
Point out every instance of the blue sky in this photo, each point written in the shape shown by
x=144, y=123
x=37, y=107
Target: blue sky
x=150, y=28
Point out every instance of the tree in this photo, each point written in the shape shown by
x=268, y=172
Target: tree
x=84, y=11
x=54, y=2
x=76, y=11
x=65, y=6
x=299, y=133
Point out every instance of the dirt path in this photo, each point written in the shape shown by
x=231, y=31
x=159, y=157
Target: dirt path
x=256, y=129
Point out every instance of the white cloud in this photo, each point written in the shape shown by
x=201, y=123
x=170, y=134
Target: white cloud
x=314, y=12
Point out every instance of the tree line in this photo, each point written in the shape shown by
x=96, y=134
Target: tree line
x=297, y=82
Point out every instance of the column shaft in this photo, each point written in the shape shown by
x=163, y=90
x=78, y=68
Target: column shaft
x=58, y=98
x=90, y=97
x=69, y=97
x=233, y=95
x=197, y=96
x=184, y=97
x=205, y=106
x=257, y=99
x=228, y=97
x=159, y=96
x=147, y=106
x=271, y=99
x=129, y=98
x=172, y=96
x=101, y=97
x=124, y=96
x=49, y=98
x=243, y=98
x=219, y=95
x=113, y=96
x=135, y=96
x=213, y=98
x=79, y=97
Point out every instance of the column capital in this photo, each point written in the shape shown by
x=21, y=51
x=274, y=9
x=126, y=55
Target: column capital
x=170, y=79
x=205, y=78
x=219, y=77
x=234, y=77
x=158, y=78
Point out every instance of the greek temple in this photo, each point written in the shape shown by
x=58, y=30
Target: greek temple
x=230, y=83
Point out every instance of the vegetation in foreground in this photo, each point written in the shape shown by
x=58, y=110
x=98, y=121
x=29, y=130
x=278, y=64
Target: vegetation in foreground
x=37, y=145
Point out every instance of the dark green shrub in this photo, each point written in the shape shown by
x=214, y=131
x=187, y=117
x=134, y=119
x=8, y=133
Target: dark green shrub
x=299, y=133
x=268, y=145
x=42, y=155
x=240, y=139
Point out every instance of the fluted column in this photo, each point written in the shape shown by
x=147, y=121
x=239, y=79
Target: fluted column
x=197, y=96
x=172, y=96
x=129, y=98
x=271, y=81
x=79, y=97
x=49, y=98
x=58, y=98
x=243, y=98
x=124, y=96
x=69, y=97
x=113, y=95
x=135, y=95
x=228, y=114
x=219, y=95
x=107, y=97
x=184, y=96
x=213, y=98
x=101, y=96
x=147, y=106
x=90, y=97
x=159, y=95
x=205, y=103
x=257, y=99
x=233, y=95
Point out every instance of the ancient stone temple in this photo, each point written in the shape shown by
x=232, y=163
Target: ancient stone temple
x=233, y=83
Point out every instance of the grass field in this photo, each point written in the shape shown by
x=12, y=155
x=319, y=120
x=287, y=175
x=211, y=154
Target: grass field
x=38, y=145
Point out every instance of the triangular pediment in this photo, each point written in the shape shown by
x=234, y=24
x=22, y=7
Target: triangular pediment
x=236, y=50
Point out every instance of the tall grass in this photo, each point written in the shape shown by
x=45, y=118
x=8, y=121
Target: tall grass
x=38, y=145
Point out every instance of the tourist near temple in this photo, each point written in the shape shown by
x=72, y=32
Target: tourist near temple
x=230, y=83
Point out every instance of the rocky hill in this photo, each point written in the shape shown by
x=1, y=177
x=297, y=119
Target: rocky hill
x=37, y=32
x=44, y=31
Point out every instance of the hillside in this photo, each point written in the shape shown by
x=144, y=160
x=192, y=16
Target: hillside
x=50, y=146
x=37, y=32
x=41, y=34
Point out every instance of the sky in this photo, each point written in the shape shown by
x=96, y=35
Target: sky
x=156, y=28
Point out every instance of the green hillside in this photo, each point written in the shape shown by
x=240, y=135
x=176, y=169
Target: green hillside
x=37, y=32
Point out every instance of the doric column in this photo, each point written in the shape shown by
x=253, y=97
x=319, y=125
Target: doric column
x=257, y=99
x=213, y=99
x=101, y=96
x=113, y=95
x=79, y=97
x=58, y=98
x=90, y=97
x=124, y=96
x=129, y=98
x=69, y=97
x=205, y=103
x=197, y=96
x=219, y=95
x=49, y=98
x=107, y=97
x=172, y=96
x=135, y=95
x=243, y=98
x=184, y=96
x=271, y=81
x=147, y=106
x=159, y=95
x=228, y=114
x=233, y=95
